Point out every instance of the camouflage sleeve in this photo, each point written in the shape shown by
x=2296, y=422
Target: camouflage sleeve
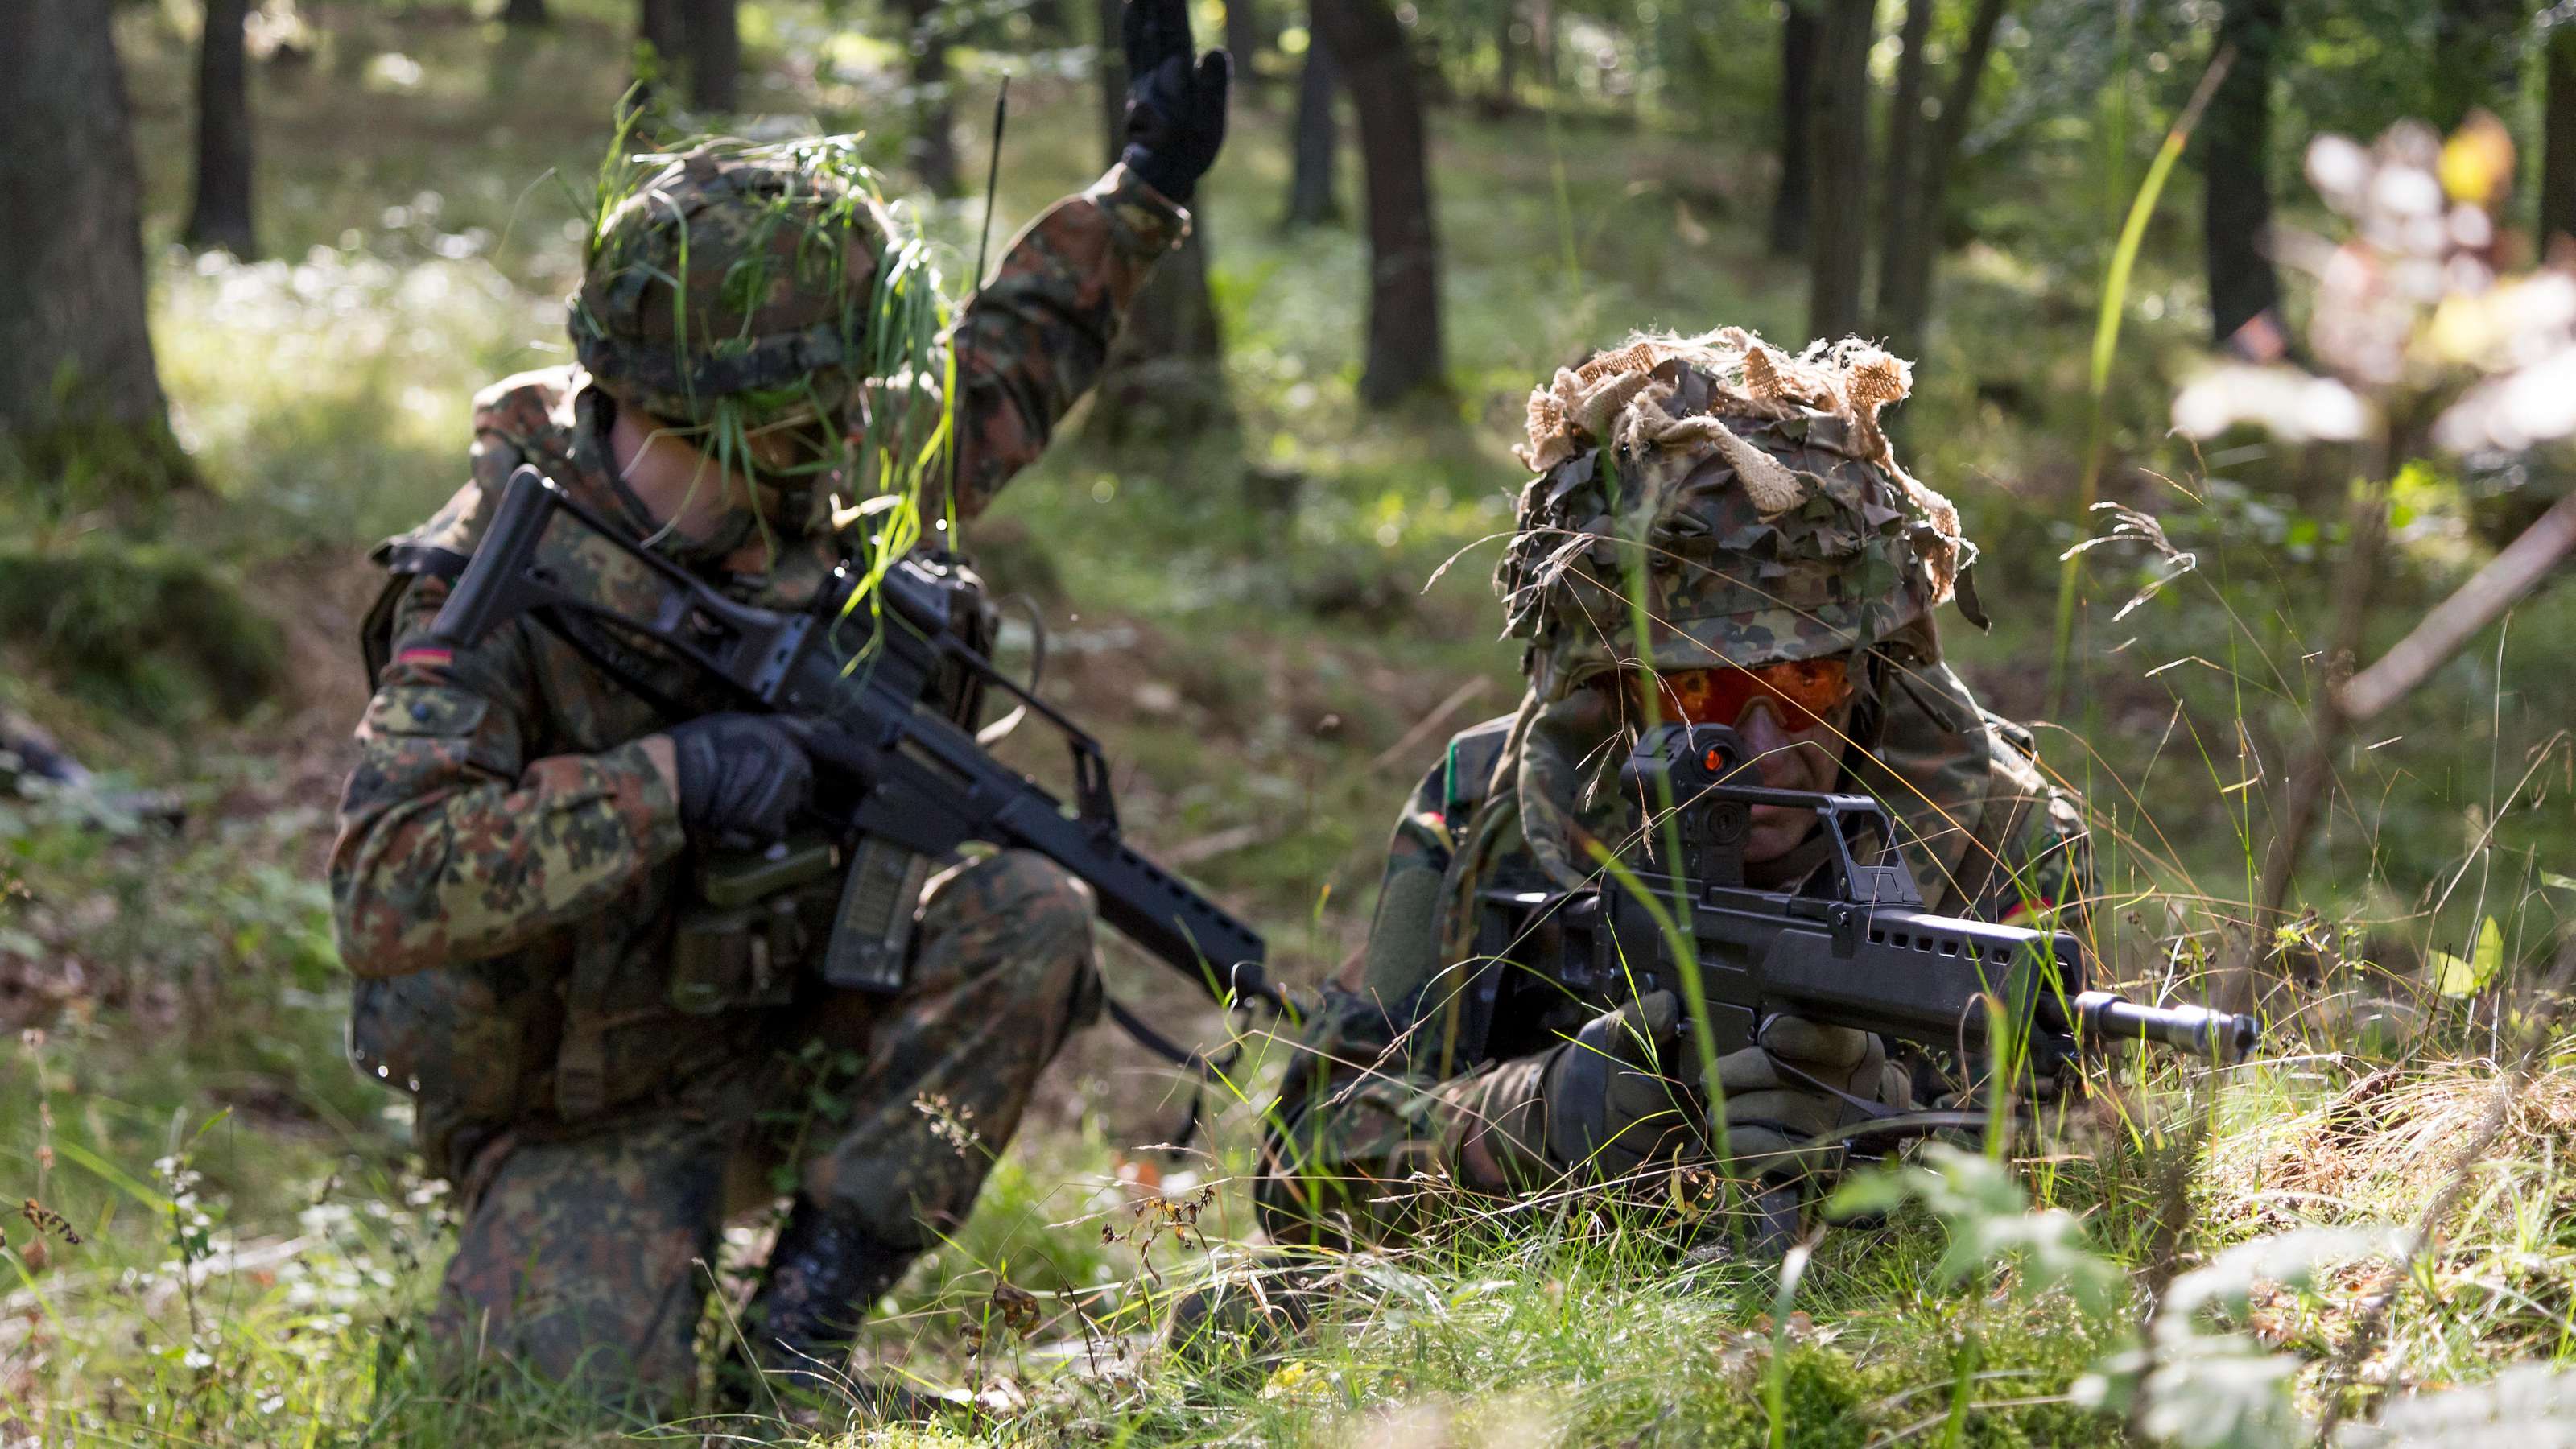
x=1368, y=1110
x=452, y=846
x=1033, y=341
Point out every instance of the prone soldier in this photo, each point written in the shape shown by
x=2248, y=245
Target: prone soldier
x=1790, y=571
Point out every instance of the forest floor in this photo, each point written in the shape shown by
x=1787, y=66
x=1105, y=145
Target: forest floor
x=223, y=1242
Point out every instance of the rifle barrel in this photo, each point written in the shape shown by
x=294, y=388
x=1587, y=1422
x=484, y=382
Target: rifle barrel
x=2102, y=1017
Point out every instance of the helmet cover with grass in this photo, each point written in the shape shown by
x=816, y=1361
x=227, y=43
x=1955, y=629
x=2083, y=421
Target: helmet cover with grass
x=734, y=275
x=1776, y=522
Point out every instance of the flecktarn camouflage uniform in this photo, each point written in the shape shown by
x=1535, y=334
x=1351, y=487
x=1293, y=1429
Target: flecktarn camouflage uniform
x=602, y=1061
x=1782, y=529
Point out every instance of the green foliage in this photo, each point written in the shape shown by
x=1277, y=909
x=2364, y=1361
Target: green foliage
x=157, y=630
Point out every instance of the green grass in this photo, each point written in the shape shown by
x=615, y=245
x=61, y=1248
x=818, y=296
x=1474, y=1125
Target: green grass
x=1247, y=625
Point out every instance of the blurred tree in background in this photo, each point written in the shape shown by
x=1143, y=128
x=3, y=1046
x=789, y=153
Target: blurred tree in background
x=81, y=411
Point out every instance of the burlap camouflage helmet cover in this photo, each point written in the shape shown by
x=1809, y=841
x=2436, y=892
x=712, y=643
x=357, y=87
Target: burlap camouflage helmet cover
x=1777, y=522
x=734, y=272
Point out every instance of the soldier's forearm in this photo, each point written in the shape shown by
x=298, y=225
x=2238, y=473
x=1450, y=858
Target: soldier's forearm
x=483, y=869
x=1034, y=340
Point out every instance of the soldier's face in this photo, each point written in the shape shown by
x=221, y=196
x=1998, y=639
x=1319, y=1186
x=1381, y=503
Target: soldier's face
x=1794, y=718
x=1808, y=758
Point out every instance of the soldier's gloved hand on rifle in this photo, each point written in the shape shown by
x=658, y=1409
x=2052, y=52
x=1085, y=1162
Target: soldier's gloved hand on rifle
x=740, y=777
x=1776, y=1097
x=1175, y=99
x=1610, y=1107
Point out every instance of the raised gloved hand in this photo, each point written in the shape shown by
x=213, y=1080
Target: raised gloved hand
x=1774, y=1105
x=741, y=775
x=1610, y=1109
x=1175, y=99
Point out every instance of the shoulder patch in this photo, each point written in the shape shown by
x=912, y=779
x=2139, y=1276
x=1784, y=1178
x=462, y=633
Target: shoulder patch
x=427, y=710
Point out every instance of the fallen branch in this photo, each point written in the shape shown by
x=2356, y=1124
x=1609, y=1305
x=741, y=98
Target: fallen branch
x=2506, y=578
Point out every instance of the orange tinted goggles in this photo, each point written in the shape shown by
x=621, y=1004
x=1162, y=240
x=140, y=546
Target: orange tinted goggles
x=1806, y=691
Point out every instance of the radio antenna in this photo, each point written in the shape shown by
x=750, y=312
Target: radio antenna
x=992, y=176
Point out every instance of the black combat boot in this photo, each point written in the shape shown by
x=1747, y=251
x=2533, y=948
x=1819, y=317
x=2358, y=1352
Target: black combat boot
x=824, y=1273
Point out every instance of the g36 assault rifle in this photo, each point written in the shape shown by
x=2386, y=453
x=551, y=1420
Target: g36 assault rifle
x=867, y=663
x=1853, y=947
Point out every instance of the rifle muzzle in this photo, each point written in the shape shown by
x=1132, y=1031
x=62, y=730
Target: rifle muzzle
x=2102, y=1017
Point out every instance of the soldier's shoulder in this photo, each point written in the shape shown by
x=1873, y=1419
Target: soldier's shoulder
x=525, y=404
x=1468, y=764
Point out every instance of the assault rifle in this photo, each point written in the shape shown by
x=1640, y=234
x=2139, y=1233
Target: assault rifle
x=1852, y=946
x=879, y=665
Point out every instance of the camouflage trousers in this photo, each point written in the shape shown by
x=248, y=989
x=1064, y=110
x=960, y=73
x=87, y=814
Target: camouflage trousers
x=585, y=1256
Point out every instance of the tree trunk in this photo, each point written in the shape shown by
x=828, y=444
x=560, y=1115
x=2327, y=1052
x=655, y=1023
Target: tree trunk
x=659, y=29
x=1165, y=377
x=2477, y=51
x=221, y=215
x=1902, y=173
x=1405, y=351
x=1792, y=206
x=1113, y=77
x=79, y=394
x=2236, y=191
x=2558, y=140
x=933, y=147
x=1509, y=36
x=715, y=54
x=525, y=14
x=1840, y=243
x=1905, y=292
x=1313, y=197
x=1243, y=36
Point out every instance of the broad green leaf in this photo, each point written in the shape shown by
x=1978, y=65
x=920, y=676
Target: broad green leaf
x=2455, y=977
x=2557, y=882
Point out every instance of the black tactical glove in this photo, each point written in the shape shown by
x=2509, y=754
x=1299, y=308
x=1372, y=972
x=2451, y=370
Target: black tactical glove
x=1610, y=1110
x=744, y=776
x=1175, y=108
x=1776, y=1099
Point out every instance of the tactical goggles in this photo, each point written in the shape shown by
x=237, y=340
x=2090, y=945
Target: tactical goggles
x=1805, y=692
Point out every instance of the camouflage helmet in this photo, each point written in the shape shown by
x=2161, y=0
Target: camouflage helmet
x=1777, y=523
x=735, y=273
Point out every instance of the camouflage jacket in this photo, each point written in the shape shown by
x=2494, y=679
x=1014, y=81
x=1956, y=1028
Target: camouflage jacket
x=1370, y=1102
x=510, y=874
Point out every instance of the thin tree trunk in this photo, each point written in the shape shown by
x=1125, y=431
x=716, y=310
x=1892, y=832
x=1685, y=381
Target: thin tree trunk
x=1113, y=77
x=1243, y=36
x=1902, y=172
x=221, y=215
x=1508, y=41
x=77, y=382
x=525, y=14
x=1792, y=207
x=1313, y=197
x=1905, y=295
x=1839, y=245
x=715, y=54
x=1543, y=53
x=2477, y=47
x=1165, y=377
x=2558, y=130
x=2236, y=191
x=659, y=29
x=933, y=147
x=1405, y=351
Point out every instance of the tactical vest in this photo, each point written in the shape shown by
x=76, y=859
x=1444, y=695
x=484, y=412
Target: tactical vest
x=681, y=978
